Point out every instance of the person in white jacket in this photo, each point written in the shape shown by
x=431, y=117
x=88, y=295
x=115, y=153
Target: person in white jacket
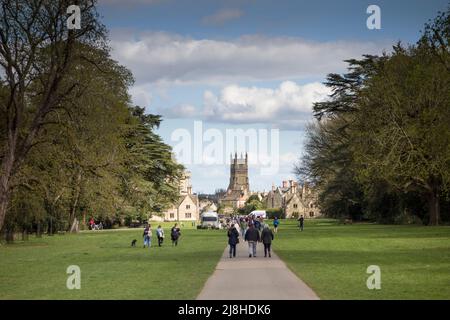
x=160, y=235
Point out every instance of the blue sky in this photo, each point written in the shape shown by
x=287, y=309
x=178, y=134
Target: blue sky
x=246, y=64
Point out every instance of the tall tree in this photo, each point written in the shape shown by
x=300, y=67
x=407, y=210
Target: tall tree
x=401, y=131
x=384, y=130
x=36, y=52
x=81, y=150
x=328, y=159
x=150, y=181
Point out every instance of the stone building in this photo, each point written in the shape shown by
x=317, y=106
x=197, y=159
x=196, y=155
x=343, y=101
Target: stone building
x=207, y=205
x=238, y=190
x=187, y=207
x=293, y=200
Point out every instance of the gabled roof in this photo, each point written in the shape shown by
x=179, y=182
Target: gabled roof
x=290, y=196
x=182, y=198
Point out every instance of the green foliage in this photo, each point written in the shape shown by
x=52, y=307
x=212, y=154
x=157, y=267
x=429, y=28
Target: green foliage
x=150, y=178
x=383, y=137
x=275, y=212
x=252, y=203
x=98, y=157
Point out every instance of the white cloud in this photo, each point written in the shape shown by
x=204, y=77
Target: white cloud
x=157, y=57
x=287, y=106
x=141, y=95
x=222, y=16
x=289, y=101
x=180, y=111
x=288, y=159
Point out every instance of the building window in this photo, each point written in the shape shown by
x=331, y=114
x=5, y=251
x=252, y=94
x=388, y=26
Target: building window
x=311, y=214
x=188, y=206
x=295, y=206
x=187, y=215
x=172, y=216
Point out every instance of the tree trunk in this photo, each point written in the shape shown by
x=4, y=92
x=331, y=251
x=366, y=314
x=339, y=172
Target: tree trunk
x=38, y=229
x=75, y=227
x=433, y=207
x=5, y=184
x=51, y=230
x=9, y=235
x=75, y=198
x=83, y=226
x=25, y=235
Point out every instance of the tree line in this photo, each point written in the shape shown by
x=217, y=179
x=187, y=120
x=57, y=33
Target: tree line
x=72, y=144
x=379, y=147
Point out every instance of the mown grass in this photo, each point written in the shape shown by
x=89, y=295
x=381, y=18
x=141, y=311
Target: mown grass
x=330, y=258
x=333, y=259
x=110, y=267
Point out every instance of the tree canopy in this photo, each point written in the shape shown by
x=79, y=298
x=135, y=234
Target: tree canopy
x=72, y=144
x=382, y=138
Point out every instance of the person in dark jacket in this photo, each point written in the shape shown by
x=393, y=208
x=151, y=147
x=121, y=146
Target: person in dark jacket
x=233, y=240
x=266, y=239
x=257, y=224
x=175, y=234
x=252, y=237
x=300, y=221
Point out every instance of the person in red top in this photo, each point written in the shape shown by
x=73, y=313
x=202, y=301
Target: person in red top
x=92, y=223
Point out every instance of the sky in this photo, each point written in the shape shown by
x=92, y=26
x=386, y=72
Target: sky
x=242, y=75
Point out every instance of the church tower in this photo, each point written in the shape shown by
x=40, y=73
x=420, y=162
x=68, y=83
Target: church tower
x=239, y=174
x=238, y=188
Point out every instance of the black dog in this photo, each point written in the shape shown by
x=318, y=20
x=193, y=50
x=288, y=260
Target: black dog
x=133, y=243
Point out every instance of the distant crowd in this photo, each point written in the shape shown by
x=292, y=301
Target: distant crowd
x=253, y=230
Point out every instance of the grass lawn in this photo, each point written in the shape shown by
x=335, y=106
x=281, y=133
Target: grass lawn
x=110, y=268
x=332, y=259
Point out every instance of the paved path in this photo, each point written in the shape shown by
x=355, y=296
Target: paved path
x=244, y=278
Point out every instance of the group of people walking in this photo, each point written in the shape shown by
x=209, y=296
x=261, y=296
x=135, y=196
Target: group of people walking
x=253, y=230
x=175, y=234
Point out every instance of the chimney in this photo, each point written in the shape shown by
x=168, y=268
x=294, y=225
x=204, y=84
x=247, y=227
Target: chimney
x=273, y=186
x=294, y=187
x=304, y=190
x=285, y=184
x=291, y=186
x=189, y=189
